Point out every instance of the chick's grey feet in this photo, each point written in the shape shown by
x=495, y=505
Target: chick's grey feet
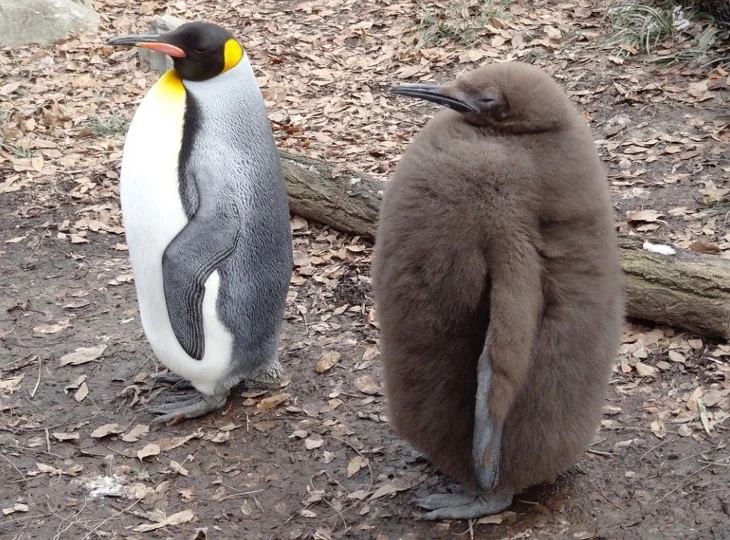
x=462, y=505
x=186, y=406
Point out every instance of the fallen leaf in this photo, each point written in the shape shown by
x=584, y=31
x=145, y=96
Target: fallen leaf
x=644, y=215
x=219, y=437
x=173, y=442
x=82, y=355
x=674, y=356
x=496, y=519
x=273, y=401
x=684, y=430
x=136, y=433
x=703, y=415
x=16, y=240
x=370, y=353
x=17, y=507
x=356, y=463
x=61, y=437
x=151, y=449
x=327, y=361
x=645, y=370
x=179, y=469
x=11, y=383
x=106, y=429
x=386, y=489
x=658, y=428
x=175, y=519
x=313, y=442
x=51, y=328
x=366, y=385
x=81, y=393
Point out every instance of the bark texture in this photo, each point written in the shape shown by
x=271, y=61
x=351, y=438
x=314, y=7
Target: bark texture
x=686, y=290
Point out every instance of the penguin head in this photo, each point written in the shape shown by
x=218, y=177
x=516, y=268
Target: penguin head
x=509, y=97
x=199, y=50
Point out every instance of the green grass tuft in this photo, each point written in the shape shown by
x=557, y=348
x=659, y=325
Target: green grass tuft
x=107, y=127
x=461, y=21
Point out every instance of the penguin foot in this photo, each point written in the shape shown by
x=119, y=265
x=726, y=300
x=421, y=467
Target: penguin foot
x=176, y=381
x=462, y=505
x=268, y=380
x=576, y=468
x=186, y=407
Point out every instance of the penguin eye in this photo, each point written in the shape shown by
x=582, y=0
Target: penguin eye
x=200, y=51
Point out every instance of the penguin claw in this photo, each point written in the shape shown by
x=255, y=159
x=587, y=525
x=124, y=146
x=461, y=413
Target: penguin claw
x=176, y=382
x=442, y=500
x=186, y=409
x=462, y=506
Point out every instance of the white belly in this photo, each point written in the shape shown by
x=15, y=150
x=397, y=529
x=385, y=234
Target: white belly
x=153, y=215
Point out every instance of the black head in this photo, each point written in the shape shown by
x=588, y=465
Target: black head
x=511, y=97
x=199, y=50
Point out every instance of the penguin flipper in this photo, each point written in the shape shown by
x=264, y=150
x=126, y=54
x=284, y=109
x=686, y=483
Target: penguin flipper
x=504, y=364
x=207, y=240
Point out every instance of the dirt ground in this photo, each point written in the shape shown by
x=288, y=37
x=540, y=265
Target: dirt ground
x=315, y=458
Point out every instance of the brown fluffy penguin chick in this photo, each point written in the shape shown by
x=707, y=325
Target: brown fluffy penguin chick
x=497, y=286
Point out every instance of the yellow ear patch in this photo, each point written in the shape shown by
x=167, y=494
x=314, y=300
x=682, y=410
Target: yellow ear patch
x=232, y=54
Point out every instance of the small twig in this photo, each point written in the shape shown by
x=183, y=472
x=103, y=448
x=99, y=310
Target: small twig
x=686, y=479
x=655, y=447
x=367, y=461
x=600, y=453
x=715, y=462
x=339, y=513
x=14, y=467
x=15, y=520
x=600, y=488
x=76, y=521
x=258, y=504
x=113, y=516
x=236, y=495
x=282, y=525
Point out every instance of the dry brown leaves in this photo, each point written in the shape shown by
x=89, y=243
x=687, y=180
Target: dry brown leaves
x=325, y=69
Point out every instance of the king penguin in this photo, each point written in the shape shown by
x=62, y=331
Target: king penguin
x=497, y=286
x=206, y=218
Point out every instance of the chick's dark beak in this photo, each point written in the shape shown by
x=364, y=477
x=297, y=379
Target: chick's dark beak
x=152, y=42
x=434, y=93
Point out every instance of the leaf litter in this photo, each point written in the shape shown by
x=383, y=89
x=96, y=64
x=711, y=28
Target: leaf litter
x=325, y=70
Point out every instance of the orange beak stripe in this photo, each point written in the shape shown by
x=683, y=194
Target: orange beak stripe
x=164, y=48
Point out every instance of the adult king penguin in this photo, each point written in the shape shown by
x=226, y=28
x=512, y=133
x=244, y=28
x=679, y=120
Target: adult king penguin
x=206, y=218
x=497, y=286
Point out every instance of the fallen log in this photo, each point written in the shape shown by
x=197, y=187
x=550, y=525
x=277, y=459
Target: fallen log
x=685, y=289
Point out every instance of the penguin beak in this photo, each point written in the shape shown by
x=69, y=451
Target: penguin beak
x=434, y=93
x=151, y=42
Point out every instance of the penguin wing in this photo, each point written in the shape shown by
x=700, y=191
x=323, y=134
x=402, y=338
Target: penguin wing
x=515, y=305
x=207, y=240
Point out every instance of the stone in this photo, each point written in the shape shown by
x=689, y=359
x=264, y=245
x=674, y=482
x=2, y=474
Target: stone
x=44, y=21
x=156, y=60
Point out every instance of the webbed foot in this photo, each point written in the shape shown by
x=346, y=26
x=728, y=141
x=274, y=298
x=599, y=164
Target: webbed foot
x=577, y=468
x=268, y=380
x=187, y=406
x=175, y=381
x=462, y=505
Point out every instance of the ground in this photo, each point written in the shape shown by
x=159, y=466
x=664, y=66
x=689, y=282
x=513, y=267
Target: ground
x=315, y=458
